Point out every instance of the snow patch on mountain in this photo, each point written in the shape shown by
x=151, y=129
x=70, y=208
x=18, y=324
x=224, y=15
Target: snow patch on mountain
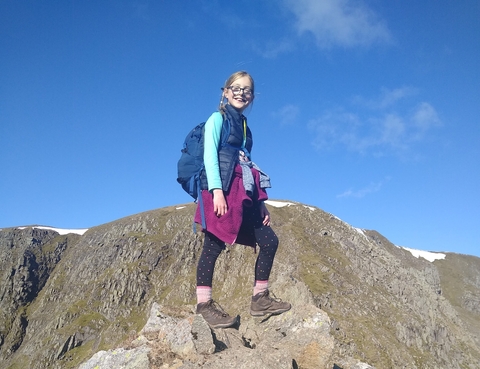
x=61, y=231
x=430, y=256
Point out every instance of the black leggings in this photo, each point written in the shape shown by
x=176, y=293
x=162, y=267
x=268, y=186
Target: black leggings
x=212, y=247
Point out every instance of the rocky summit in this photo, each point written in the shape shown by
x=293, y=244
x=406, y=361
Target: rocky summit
x=122, y=295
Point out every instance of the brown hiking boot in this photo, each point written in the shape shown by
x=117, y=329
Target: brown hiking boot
x=214, y=315
x=263, y=304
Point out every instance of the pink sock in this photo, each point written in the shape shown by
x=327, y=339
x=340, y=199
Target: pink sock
x=204, y=294
x=260, y=286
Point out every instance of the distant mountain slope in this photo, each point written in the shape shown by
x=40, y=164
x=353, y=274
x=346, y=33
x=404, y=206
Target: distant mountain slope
x=65, y=297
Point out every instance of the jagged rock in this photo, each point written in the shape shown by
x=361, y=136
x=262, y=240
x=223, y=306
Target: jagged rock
x=248, y=360
x=28, y=256
x=174, y=332
x=16, y=334
x=299, y=337
x=202, y=336
x=471, y=302
x=302, y=332
x=136, y=358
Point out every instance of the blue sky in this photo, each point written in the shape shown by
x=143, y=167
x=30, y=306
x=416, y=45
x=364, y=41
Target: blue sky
x=366, y=109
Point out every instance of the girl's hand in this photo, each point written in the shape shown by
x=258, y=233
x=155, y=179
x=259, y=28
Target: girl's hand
x=265, y=214
x=219, y=203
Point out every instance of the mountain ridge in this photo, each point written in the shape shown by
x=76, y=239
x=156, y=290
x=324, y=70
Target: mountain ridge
x=82, y=292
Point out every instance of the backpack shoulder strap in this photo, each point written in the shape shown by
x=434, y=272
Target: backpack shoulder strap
x=225, y=131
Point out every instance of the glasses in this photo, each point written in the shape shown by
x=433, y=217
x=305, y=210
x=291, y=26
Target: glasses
x=237, y=90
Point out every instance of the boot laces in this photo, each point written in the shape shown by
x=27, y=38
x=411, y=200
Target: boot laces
x=271, y=296
x=216, y=309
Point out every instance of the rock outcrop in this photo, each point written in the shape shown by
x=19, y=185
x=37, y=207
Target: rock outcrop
x=299, y=338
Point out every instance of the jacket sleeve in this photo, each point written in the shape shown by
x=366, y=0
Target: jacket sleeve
x=213, y=131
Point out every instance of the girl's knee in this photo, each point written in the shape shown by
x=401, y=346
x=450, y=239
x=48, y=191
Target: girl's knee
x=269, y=245
x=271, y=239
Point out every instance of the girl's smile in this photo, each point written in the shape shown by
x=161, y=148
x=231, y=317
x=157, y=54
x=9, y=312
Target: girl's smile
x=239, y=95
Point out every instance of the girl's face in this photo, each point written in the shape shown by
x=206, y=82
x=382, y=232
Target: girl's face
x=239, y=94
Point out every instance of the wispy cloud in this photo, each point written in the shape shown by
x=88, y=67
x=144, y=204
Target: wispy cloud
x=287, y=115
x=387, y=97
x=423, y=119
x=369, y=189
x=345, y=23
x=387, y=123
x=272, y=49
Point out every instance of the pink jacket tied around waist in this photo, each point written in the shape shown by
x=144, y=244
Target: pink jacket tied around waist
x=227, y=227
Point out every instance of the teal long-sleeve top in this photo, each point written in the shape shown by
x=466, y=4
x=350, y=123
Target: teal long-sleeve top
x=213, y=131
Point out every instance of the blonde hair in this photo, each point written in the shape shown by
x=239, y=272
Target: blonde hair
x=229, y=82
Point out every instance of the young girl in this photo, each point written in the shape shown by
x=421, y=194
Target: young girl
x=233, y=194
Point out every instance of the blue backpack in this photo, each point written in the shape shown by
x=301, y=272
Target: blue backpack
x=190, y=165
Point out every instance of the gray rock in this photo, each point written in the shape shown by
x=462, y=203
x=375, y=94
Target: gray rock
x=136, y=358
x=202, y=336
x=175, y=332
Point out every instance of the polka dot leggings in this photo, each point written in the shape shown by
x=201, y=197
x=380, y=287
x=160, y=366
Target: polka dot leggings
x=267, y=241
